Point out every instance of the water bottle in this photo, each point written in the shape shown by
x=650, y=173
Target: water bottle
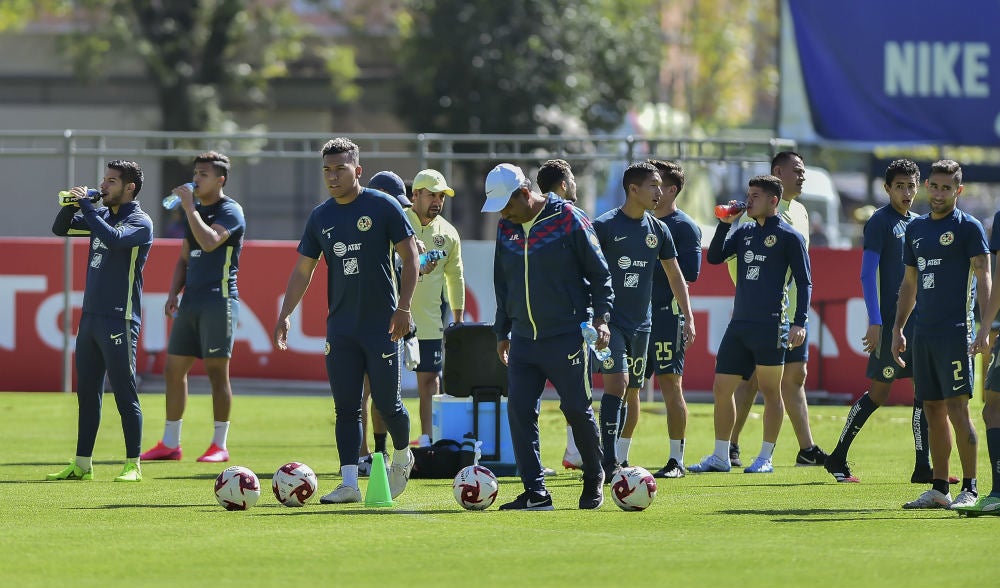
x=66, y=198
x=590, y=336
x=432, y=255
x=725, y=210
x=172, y=199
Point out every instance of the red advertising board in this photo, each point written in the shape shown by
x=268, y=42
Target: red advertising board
x=31, y=305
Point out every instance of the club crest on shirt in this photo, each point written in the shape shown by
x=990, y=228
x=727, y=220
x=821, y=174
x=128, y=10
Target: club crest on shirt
x=326, y=348
x=888, y=372
x=364, y=223
x=652, y=241
x=770, y=240
x=438, y=240
x=608, y=363
x=947, y=238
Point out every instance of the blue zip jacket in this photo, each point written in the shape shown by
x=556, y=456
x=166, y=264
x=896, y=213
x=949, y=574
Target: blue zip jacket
x=546, y=280
x=119, y=246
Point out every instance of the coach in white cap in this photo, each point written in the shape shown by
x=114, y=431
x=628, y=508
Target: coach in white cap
x=540, y=305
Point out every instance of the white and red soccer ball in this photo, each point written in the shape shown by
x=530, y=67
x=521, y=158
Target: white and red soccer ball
x=475, y=488
x=237, y=488
x=294, y=484
x=633, y=488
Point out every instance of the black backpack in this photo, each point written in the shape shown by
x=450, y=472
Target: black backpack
x=440, y=460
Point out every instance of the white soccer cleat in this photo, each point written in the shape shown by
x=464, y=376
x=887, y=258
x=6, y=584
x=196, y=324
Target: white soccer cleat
x=963, y=500
x=400, y=475
x=711, y=463
x=930, y=499
x=342, y=495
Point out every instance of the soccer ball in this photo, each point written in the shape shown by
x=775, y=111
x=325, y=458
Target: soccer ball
x=237, y=488
x=475, y=488
x=633, y=488
x=294, y=483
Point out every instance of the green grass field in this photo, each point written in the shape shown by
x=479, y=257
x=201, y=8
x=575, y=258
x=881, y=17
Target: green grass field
x=793, y=528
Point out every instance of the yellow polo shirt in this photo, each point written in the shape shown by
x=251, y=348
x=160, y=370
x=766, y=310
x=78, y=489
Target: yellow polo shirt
x=448, y=276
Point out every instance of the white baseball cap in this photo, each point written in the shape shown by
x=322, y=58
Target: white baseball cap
x=500, y=185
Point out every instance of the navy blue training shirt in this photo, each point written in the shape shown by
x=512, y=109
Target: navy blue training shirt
x=633, y=248
x=213, y=274
x=687, y=241
x=883, y=234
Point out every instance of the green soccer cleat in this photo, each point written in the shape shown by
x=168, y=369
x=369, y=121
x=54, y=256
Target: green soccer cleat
x=130, y=473
x=986, y=505
x=72, y=472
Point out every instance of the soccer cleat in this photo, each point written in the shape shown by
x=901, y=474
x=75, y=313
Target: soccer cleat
x=711, y=463
x=592, y=496
x=130, y=473
x=161, y=452
x=572, y=460
x=930, y=499
x=760, y=465
x=531, y=500
x=986, y=505
x=814, y=456
x=546, y=472
x=342, y=495
x=72, y=472
x=214, y=454
x=399, y=475
x=365, y=465
x=839, y=469
x=671, y=470
x=734, y=456
x=925, y=475
x=965, y=498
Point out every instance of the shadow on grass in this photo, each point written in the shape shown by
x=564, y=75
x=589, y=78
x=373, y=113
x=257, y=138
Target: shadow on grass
x=768, y=485
x=57, y=464
x=367, y=512
x=838, y=515
x=147, y=506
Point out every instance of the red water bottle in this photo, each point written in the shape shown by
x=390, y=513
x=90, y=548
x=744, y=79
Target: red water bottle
x=726, y=210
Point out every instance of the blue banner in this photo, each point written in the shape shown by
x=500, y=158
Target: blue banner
x=897, y=71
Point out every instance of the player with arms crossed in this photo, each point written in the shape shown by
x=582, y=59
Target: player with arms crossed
x=759, y=332
x=944, y=251
x=636, y=243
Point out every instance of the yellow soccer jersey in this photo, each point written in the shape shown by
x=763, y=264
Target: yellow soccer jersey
x=448, y=276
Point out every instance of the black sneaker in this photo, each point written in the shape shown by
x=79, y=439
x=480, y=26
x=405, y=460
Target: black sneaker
x=671, y=470
x=839, y=469
x=530, y=500
x=925, y=475
x=610, y=469
x=734, y=456
x=592, y=496
x=814, y=456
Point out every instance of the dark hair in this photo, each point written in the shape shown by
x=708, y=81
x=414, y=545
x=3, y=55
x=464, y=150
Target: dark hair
x=219, y=161
x=551, y=173
x=342, y=145
x=901, y=167
x=636, y=174
x=768, y=183
x=130, y=172
x=948, y=166
x=784, y=157
x=670, y=172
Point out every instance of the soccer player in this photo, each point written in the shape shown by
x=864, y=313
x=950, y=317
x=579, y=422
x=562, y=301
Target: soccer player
x=759, y=331
x=120, y=237
x=356, y=231
x=665, y=356
x=881, y=273
x=990, y=504
x=205, y=321
x=436, y=233
x=943, y=251
x=547, y=270
x=556, y=176
x=789, y=167
x=636, y=243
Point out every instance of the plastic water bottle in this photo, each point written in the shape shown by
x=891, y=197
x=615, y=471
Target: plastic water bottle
x=724, y=210
x=172, y=199
x=432, y=255
x=66, y=198
x=590, y=336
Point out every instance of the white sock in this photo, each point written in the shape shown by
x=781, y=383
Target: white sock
x=400, y=457
x=622, y=446
x=221, y=434
x=766, y=450
x=350, y=475
x=677, y=450
x=85, y=462
x=722, y=449
x=570, y=441
x=172, y=434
